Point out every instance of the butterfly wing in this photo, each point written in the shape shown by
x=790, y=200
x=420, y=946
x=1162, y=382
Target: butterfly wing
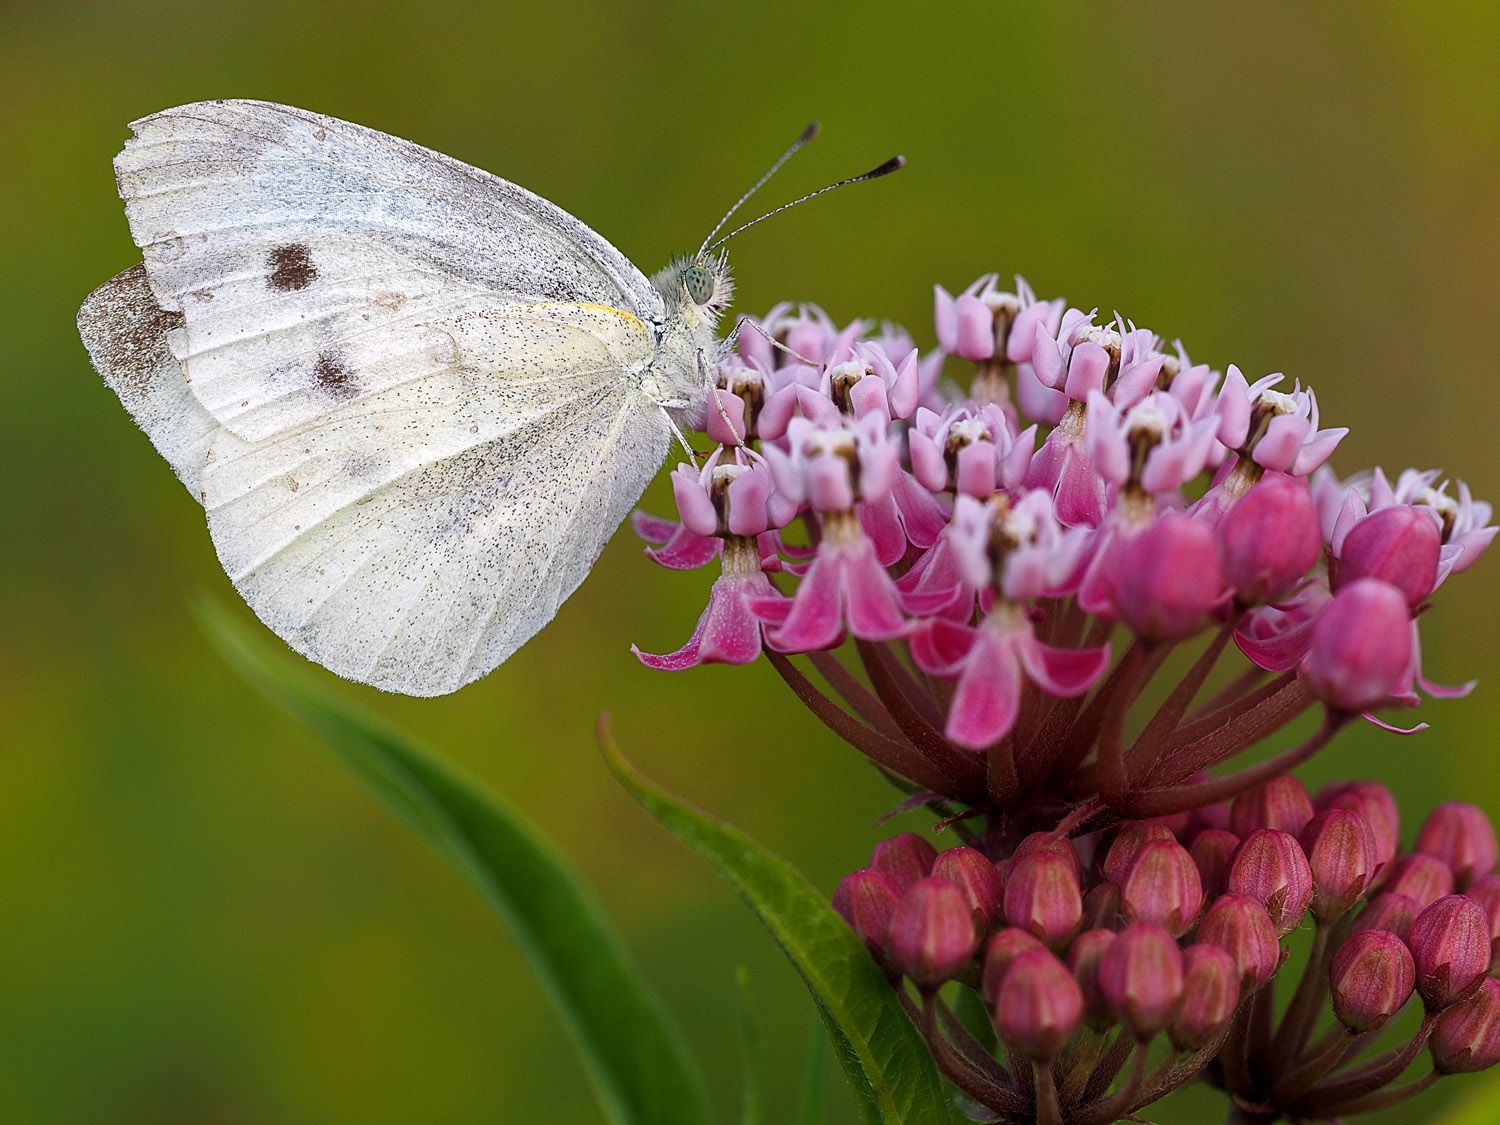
x=418, y=537
x=310, y=258
x=407, y=392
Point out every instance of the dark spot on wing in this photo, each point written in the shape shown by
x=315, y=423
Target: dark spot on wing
x=126, y=331
x=334, y=375
x=290, y=267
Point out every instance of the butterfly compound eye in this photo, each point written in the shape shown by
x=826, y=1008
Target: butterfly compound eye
x=698, y=280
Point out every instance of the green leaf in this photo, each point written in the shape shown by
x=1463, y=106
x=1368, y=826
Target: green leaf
x=882, y=1053
x=635, y=1056
x=969, y=1008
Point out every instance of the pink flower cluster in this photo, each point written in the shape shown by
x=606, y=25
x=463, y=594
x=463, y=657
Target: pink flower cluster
x=1083, y=952
x=977, y=588
x=1093, y=502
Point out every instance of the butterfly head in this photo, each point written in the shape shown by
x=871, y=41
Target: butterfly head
x=699, y=287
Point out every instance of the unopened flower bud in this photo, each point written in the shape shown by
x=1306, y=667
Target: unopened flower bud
x=931, y=935
x=1210, y=994
x=1422, y=878
x=1361, y=646
x=1038, y=1005
x=1398, y=545
x=1212, y=850
x=1129, y=840
x=972, y=873
x=1163, y=886
x=866, y=899
x=1241, y=927
x=1467, y=1035
x=1371, y=977
x=1280, y=803
x=1048, y=842
x=1084, y=956
x=1340, y=853
x=1270, y=538
x=1042, y=896
x=1388, y=911
x=1167, y=577
x=1375, y=803
x=1450, y=943
x=1003, y=948
x=1462, y=837
x=1140, y=978
x=905, y=858
x=1271, y=868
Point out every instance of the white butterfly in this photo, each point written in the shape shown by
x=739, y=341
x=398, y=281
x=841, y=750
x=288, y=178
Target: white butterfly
x=414, y=399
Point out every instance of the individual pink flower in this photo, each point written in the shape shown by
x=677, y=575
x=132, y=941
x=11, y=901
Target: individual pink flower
x=1154, y=444
x=803, y=329
x=831, y=470
x=796, y=393
x=1075, y=358
x=966, y=324
x=1276, y=430
x=1269, y=539
x=1360, y=649
x=727, y=632
x=740, y=390
x=734, y=497
x=1062, y=467
x=867, y=381
x=1165, y=578
x=1019, y=548
x=970, y=449
x=993, y=661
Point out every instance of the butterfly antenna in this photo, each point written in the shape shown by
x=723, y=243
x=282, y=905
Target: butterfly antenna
x=760, y=330
x=807, y=134
x=894, y=164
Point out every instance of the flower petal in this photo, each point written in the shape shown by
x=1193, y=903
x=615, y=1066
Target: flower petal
x=1064, y=672
x=684, y=551
x=816, y=619
x=988, y=696
x=941, y=647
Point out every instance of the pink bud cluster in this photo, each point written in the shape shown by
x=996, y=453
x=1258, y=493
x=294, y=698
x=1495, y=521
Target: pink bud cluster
x=1085, y=951
x=1011, y=565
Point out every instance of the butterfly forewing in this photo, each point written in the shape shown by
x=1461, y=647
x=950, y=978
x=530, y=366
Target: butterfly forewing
x=408, y=393
x=310, y=257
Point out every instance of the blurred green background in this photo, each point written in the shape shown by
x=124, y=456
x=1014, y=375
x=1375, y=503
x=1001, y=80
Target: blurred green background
x=204, y=920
